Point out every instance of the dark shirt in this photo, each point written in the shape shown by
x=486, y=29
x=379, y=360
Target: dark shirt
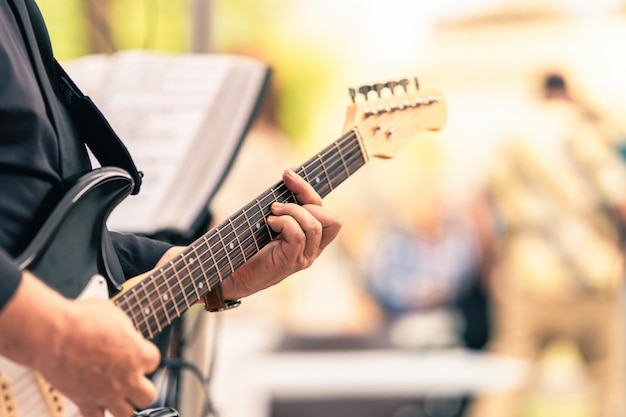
x=31, y=182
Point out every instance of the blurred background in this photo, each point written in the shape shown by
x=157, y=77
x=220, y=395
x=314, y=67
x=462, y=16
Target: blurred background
x=479, y=272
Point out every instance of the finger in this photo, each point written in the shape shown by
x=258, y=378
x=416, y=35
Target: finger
x=90, y=411
x=330, y=221
x=144, y=395
x=304, y=192
x=305, y=223
x=121, y=409
x=291, y=236
x=151, y=357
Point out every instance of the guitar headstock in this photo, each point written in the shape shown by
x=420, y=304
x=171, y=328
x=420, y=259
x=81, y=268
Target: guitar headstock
x=388, y=115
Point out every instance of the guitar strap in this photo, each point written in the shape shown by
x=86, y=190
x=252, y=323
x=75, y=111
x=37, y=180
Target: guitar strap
x=72, y=114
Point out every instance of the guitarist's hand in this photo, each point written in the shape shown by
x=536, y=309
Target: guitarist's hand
x=87, y=349
x=305, y=230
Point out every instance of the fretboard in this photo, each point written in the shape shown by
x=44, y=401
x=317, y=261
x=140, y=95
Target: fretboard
x=166, y=293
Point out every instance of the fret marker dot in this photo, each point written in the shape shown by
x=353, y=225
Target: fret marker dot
x=258, y=225
x=147, y=310
x=201, y=285
x=192, y=260
x=232, y=246
x=317, y=180
x=165, y=297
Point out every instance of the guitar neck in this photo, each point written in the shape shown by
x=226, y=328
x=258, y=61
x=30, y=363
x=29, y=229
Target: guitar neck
x=165, y=294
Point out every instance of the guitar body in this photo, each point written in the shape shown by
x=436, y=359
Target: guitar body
x=70, y=254
x=72, y=246
x=24, y=393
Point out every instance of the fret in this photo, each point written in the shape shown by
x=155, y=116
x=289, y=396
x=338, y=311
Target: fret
x=269, y=231
x=246, y=237
x=128, y=309
x=316, y=182
x=304, y=174
x=226, y=251
x=243, y=254
x=343, y=161
x=274, y=196
x=191, y=274
x=282, y=191
x=148, y=331
x=150, y=310
x=325, y=172
x=183, y=280
x=353, y=148
x=262, y=231
x=163, y=297
x=293, y=196
x=205, y=276
x=336, y=165
x=183, y=291
x=313, y=182
x=215, y=262
x=252, y=231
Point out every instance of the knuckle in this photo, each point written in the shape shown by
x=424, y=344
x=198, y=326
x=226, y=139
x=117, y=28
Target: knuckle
x=305, y=263
x=299, y=238
x=314, y=227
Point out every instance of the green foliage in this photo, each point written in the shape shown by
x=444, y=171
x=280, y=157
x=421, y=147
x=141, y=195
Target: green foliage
x=67, y=24
x=132, y=24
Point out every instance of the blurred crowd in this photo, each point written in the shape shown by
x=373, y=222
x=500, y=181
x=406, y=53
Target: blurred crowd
x=533, y=260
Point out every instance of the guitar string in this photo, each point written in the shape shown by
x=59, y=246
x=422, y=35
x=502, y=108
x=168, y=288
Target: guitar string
x=190, y=287
x=217, y=265
x=319, y=169
x=252, y=236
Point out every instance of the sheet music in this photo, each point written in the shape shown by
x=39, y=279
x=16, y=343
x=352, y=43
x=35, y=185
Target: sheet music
x=181, y=117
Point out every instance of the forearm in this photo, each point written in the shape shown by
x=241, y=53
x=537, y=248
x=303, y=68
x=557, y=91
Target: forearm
x=32, y=323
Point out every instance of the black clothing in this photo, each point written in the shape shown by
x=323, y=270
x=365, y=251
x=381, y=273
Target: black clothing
x=31, y=166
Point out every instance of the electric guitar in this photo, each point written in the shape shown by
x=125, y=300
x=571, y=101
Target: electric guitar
x=381, y=119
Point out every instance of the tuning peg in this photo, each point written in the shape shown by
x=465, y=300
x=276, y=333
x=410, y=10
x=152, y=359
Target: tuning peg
x=391, y=85
x=352, y=93
x=365, y=89
x=404, y=83
x=417, y=84
x=378, y=87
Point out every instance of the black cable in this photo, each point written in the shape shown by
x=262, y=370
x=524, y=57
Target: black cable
x=180, y=364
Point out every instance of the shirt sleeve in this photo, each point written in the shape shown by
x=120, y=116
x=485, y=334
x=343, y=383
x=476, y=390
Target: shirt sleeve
x=137, y=254
x=11, y=278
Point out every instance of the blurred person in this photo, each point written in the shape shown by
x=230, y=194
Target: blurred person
x=87, y=348
x=420, y=270
x=552, y=203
